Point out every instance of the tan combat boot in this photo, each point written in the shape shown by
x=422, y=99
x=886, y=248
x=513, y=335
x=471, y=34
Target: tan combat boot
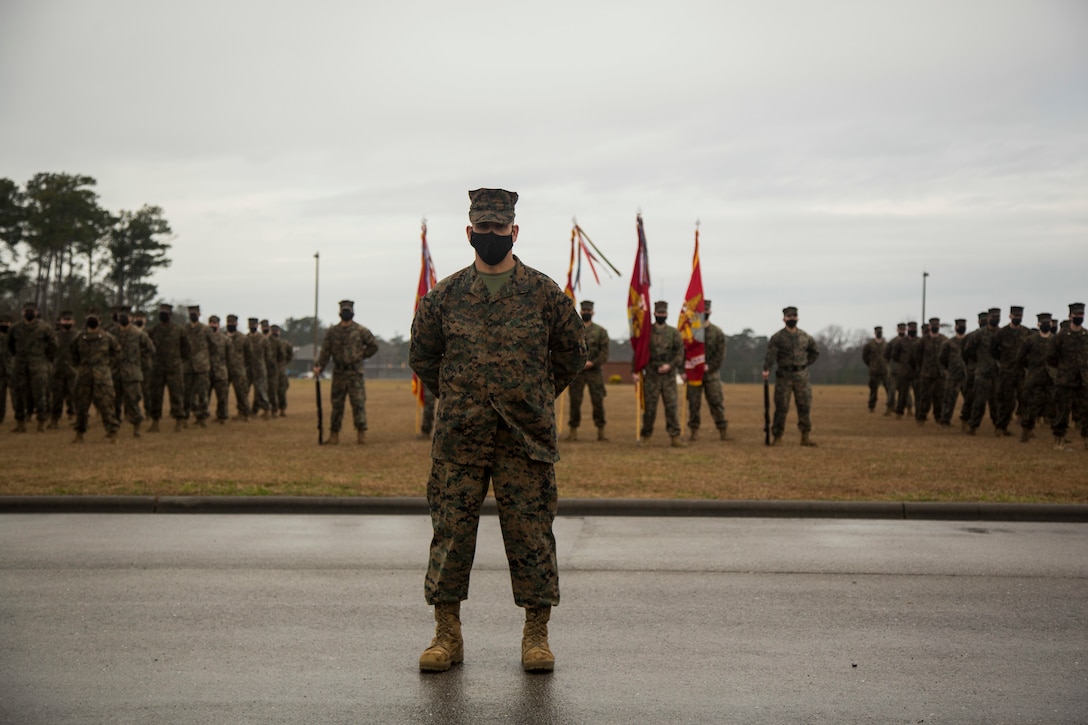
x=573, y=435
x=806, y=441
x=888, y=411
x=54, y=424
x=600, y=434
x=536, y=656
x=334, y=438
x=135, y=430
x=1059, y=443
x=154, y=426
x=78, y=438
x=112, y=436
x=265, y=415
x=41, y=426
x=178, y=425
x=283, y=413
x=1025, y=435
x=360, y=437
x=675, y=442
x=201, y=423
x=694, y=435
x=447, y=648
x=777, y=440
x=723, y=432
x=20, y=427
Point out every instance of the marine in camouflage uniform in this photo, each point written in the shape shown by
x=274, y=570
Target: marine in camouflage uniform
x=497, y=342
x=711, y=386
x=872, y=354
x=271, y=366
x=198, y=368
x=287, y=354
x=64, y=373
x=5, y=365
x=96, y=354
x=1037, y=396
x=218, y=374
x=901, y=351
x=347, y=344
x=137, y=354
x=32, y=346
x=950, y=358
x=891, y=350
x=969, y=365
x=1005, y=347
x=791, y=351
x=114, y=327
x=977, y=351
x=659, y=376
x=239, y=362
x=591, y=376
x=139, y=321
x=171, y=353
x=258, y=370
x=1067, y=352
x=930, y=376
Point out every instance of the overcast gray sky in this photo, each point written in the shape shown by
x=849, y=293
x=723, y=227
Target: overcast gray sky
x=831, y=150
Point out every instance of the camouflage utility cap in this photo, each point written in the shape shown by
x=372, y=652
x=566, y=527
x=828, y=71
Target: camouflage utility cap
x=995, y=311
x=1044, y=317
x=347, y=304
x=662, y=307
x=912, y=325
x=1016, y=310
x=983, y=315
x=166, y=307
x=787, y=311
x=587, y=306
x=194, y=308
x=492, y=205
x=934, y=320
x=232, y=319
x=213, y=318
x=1076, y=308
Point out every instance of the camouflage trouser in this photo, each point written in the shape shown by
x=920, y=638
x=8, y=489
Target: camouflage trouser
x=656, y=386
x=1070, y=401
x=426, y=424
x=876, y=381
x=1037, y=399
x=795, y=384
x=259, y=382
x=1007, y=394
x=100, y=392
x=63, y=387
x=3, y=397
x=953, y=389
x=272, y=385
x=145, y=389
x=930, y=395
x=282, y=383
x=904, y=393
x=30, y=391
x=174, y=381
x=131, y=392
x=527, y=502
x=240, y=384
x=594, y=379
x=985, y=388
x=196, y=395
x=118, y=401
x=348, y=385
x=221, y=388
x=968, y=396
x=712, y=389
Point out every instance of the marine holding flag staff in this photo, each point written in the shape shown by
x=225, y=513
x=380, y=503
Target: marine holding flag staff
x=792, y=351
x=496, y=342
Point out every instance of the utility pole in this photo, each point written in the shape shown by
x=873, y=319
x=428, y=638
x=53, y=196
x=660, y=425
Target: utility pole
x=925, y=274
x=317, y=266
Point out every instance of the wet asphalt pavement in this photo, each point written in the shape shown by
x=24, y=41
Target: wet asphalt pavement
x=141, y=618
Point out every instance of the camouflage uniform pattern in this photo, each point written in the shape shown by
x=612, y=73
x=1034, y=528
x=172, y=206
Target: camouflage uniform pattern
x=872, y=354
x=198, y=370
x=950, y=359
x=977, y=352
x=347, y=345
x=32, y=346
x=899, y=354
x=64, y=374
x=218, y=374
x=1067, y=353
x=931, y=381
x=171, y=352
x=791, y=353
x=1037, y=397
x=714, y=351
x=271, y=365
x=597, y=343
x=666, y=347
x=1005, y=346
x=96, y=355
x=497, y=363
x=258, y=370
x=969, y=366
x=286, y=355
x=5, y=375
x=239, y=363
x=137, y=351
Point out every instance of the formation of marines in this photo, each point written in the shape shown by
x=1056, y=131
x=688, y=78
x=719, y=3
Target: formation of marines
x=1020, y=374
x=124, y=367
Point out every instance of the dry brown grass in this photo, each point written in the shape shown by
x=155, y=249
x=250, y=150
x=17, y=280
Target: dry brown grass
x=861, y=456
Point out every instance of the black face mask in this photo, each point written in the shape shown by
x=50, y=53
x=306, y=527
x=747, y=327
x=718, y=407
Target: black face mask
x=879, y=335
x=92, y=323
x=586, y=317
x=253, y=329
x=29, y=315
x=4, y=328
x=935, y=329
x=492, y=247
x=1078, y=321
x=994, y=322
x=232, y=328
x=124, y=320
x=912, y=333
x=1017, y=320
x=1044, y=328
x=66, y=325
x=659, y=320
x=213, y=328
x=791, y=324
x=139, y=323
x=346, y=315
x=193, y=317
x=961, y=330
x=265, y=330
x=902, y=333
x=164, y=317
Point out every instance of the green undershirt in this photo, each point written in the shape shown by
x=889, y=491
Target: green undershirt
x=494, y=282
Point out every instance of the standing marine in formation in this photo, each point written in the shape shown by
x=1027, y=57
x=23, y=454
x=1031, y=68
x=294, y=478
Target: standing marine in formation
x=32, y=346
x=872, y=354
x=954, y=370
x=711, y=385
x=1005, y=347
x=239, y=363
x=64, y=373
x=171, y=353
x=926, y=361
x=1067, y=352
x=659, y=376
x=592, y=376
x=1037, y=396
x=258, y=369
x=96, y=354
x=347, y=344
x=137, y=353
x=219, y=375
x=791, y=351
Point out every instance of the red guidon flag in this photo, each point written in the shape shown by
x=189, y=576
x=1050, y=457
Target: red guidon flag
x=427, y=280
x=639, y=315
x=692, y=324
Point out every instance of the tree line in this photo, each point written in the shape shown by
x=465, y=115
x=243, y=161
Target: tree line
x=61, y=250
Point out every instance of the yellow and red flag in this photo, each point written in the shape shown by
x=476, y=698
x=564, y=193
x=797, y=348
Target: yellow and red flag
x=639, y=314
x=692, y=323
x=427, y=280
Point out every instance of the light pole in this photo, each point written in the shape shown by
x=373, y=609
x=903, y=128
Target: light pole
x=317, y=265
x=924, y=276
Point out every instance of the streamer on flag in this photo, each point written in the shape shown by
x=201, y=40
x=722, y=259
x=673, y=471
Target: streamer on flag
x=427, y=279
x=583, y=248
x=639, y=316
x=692, y=323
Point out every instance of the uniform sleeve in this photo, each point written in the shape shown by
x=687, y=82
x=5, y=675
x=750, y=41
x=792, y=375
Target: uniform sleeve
x=772, y=350
x=677, y=361
x=370, y=344
x=812, y=350
x=326, y=350
x=427, y=345
x=567, y=342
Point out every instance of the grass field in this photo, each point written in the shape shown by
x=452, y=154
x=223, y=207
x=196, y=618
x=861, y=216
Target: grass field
x=861, y=456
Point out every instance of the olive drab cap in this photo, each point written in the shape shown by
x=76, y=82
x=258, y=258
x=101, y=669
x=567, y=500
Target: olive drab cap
x=934, y=320
x=901, y=326
x=252, y=321
x=347, y=305
x=587, y=306
x=787, y=311
x=166, y=307
x=994, y=311
x=232, y=319
x=912, y=325
x=960, y=321
x=661, y=307
x=194, y=308
x=983, y=315
x=878, y=328
x=1044, y=317
x=492, y=205
x=30, y=306
x=213, y=318
x=1016, y=310
x=1076, y=308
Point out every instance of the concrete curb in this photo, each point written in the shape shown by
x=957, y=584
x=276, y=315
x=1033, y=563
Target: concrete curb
x=411, y=505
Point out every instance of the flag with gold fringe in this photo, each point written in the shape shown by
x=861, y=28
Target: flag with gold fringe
x=427, y=279
x=692, y=323
x=639, y=314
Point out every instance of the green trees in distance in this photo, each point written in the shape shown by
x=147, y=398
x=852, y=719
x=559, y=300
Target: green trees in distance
x=61, y=250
